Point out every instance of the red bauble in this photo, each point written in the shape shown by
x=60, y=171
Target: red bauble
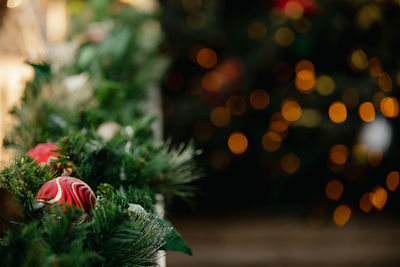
x=68, y=190
x=43, y=152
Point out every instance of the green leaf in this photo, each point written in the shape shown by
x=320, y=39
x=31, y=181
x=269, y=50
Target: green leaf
x=173, y=241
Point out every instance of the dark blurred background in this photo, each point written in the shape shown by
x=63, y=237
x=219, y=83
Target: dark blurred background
x=235, y=66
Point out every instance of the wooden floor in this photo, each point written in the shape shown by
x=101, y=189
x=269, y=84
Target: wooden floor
x=245, y=241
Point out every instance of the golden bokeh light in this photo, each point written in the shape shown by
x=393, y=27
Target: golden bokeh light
x=385, y=82
x=334, y=189
x=375, y=67
x=291, y=110
x=367, y=111
x=293, y=10
x=342, y=214
x=337, y=112
x=389, y=107
x=220, y=116
x=325, y=85
x=305, y=81
x=236, y=105
x=212, y=81
x=271, y=141
x=365, y=202
x=359, y=59
x=284, y=36
x=392, y=180
x=220, y=159
x=375, y=157
x=202, y=131
x=290, y=163
x=338, y=154
x=350, y=97
x=259, y=99
x=379, y=197
x=256, y=30
x=206, y=58
x=237, y=143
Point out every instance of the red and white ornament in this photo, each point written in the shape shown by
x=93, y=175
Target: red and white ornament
x=43, y=152
x=68, y=190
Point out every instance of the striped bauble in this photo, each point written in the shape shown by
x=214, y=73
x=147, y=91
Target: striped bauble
x=67, y=190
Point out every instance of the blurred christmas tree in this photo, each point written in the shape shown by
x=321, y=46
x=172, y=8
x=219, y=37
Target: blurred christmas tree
x=294, y=101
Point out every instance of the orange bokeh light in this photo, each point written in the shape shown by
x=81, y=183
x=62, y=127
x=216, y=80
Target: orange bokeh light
x=389, y=107
x=290, y=163
x=379, y=198
x=237, y=143
x=206, y=58
x=259, y=99
x=337, y=112
x=338, y=154
x=365, y=202
x=304, y=65
x=291, y=110
x=305, y=81
x=334, y=189
x=367, y=111
x=342, y=214
x=271, y=141
x=212, y=81
x=392, y=180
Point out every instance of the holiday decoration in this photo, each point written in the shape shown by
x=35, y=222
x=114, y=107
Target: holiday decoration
x=43, y=152
x=69, y=190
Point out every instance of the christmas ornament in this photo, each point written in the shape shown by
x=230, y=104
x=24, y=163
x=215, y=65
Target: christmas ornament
x=43, y=152
x=68, y=190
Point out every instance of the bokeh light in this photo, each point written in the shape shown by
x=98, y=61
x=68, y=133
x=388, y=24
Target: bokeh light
x=359, y=59
x=379, y=197
x=325, y=85
x=389, y=107
x=334, y=189
x=271, y=141
x=220, y=116
x=304, y=65
x=385, y=82
x=342, y=214
x=338, y=154
x=293, y=10
x=367, y=111
x=259, y=99
x=305, y=81
x=365, y=202
x=291, y=110
x=212, y=81
x=392, y=180
x=284, y=36
x=290, y=163
x=237, y=143
x=206, y=58
x=337, y=112
x=375, y=67
x=278, y=123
